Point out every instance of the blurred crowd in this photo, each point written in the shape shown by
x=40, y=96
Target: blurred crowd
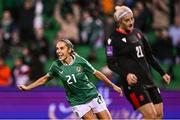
x=23, y=24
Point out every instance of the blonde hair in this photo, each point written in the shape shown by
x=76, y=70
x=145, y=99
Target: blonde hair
x=121, y=11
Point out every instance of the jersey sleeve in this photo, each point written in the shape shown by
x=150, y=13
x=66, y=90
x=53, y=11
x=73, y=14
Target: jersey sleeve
x=150, y=57
x=51, y=71
x=88, y=67
x=111, y=58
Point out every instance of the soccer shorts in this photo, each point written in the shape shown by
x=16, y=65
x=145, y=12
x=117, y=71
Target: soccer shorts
x=96, y=105
x=139, y=96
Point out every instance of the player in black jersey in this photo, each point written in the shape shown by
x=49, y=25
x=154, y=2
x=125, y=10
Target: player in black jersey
x=129, y=54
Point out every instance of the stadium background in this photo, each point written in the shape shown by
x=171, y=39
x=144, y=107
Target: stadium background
x=27, y=32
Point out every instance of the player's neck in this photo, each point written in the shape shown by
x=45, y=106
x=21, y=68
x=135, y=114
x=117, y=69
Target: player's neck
x=68, y=60
x=123, y=30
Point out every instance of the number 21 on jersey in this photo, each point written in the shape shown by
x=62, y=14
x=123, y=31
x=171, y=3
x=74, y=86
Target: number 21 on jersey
x=139, y=51
x=71, y=78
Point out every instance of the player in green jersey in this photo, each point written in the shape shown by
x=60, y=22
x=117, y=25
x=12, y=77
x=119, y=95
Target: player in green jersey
x=72, y=70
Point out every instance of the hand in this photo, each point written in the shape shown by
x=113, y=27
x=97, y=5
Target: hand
x=23, y=88
x=131, y=79
x=118, y=90
x=167, y=78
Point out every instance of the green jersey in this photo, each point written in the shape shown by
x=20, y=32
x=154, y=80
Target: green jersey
x=79, y=89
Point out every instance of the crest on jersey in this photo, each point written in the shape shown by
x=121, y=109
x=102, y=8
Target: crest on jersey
x=124, y=40
x=109, y=41
x=79, y=69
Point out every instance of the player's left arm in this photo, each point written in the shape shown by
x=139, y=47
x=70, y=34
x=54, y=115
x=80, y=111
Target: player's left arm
x=89, y=68
x=102, y=77
x=153, y=62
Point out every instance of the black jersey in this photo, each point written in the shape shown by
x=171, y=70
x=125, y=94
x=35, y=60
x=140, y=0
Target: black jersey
x=131, y=53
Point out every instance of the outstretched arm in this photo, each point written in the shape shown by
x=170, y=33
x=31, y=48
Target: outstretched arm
x=101, y=76
x=76, y=11
x=57, y=12
x=41, y=81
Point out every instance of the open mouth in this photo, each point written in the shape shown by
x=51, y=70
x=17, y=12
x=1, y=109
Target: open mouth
x=130, y=26
x=60, y=55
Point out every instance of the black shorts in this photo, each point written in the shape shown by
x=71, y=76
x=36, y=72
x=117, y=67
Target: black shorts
x=139, y=96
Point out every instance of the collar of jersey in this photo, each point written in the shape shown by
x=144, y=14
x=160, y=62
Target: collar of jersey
x=121, y=31
x=74, y=58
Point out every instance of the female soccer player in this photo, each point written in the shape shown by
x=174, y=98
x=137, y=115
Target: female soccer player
x=72, y=70
x=129, y=55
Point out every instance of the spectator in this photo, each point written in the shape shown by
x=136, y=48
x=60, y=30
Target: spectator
x=20, y=72
x=108, y=26
x=107, y=6
x=160, y=11
x=36, y=65
x=69, y=24
x=96, y=37
x=42, y=44
x=163, y=48
x=174, y=32
x=38, y=19
x=5, y=74
x=86, y=26
x=26, y=22
x=27, y=55
x=7, y=28
x=97, y=33
x=142, y=17
x=17, y=46
x=177, y=7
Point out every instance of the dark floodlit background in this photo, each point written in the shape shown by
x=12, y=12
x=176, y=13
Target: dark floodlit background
x=28, y=29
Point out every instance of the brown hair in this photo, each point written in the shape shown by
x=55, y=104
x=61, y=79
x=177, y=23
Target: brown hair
x=68, y=44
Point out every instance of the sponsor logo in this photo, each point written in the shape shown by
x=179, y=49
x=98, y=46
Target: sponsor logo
x=61, y=72
x=109, y=51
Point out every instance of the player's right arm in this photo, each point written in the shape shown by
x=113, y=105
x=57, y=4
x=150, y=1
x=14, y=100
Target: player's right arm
x=57, y=12
x=41, y=81
x=110, y=55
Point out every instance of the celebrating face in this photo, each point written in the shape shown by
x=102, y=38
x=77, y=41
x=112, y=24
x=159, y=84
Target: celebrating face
x=62, y=51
